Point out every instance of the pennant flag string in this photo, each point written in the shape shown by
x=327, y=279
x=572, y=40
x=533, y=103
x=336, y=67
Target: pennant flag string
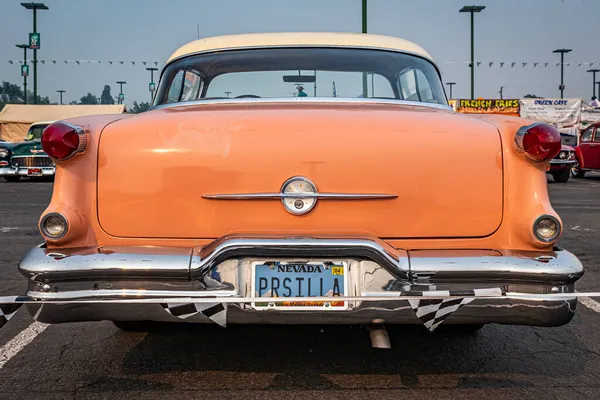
x=478, y=64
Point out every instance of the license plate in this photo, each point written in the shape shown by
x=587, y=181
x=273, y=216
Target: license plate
x=300, y=279
x=34, y=172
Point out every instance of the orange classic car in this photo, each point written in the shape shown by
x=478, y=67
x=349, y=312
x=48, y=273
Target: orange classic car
x=301, y=178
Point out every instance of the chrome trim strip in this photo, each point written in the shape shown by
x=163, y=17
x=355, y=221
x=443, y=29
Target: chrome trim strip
x=277, y=196
x=132, y=296
x=300, y=100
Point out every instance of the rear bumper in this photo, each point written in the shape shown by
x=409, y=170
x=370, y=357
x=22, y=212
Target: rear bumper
x=224, y=270
x=24, y=171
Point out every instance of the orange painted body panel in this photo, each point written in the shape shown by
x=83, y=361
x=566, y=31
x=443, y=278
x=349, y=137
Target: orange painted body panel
x=459, y=181
x=156, y=167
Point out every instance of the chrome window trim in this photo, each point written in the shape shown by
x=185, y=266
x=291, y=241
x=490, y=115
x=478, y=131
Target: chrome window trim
x=300, y=100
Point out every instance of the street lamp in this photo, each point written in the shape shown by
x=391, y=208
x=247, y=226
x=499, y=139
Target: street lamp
x=121, y=95
x=450, y=84
x=472, y=10
x=562, y=67
x=24, y=70
x=61, y=94
x=34, y=7
x=593, y=71
x=152, y=87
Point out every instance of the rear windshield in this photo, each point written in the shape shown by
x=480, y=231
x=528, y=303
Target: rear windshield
x=301, y=72
x=35, y=132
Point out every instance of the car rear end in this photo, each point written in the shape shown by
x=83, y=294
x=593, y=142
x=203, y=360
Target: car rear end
x=158, y=217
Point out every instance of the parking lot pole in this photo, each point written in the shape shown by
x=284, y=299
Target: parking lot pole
x=35, y=7
x=364, y=30
x=472, y=10
x=562, y=69
x=24, y=47
x=593, y=71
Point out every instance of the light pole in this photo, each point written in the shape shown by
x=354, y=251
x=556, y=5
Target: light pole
x=24, y=70
x=227, y=94
x=121, y=95
x=61, y=94
x=152, y=87
x=501, y=91
x=364, y=30
x=34, y=7
x=562, y=69
x=450, y=84
x=593, y=71
x=472, y=10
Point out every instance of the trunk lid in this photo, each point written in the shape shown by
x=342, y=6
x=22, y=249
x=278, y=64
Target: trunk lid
x=445, y=168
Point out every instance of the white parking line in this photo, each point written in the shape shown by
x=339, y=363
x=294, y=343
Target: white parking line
x=16, y=344
x=590, y=303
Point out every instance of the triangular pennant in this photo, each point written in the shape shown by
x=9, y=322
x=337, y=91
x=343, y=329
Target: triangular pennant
x=144, y=62
x=121, y=62
x=432, y=313
x=546, y=65
x=133, y=63
x=524, y=64
x=491, y=63
x=10, y=61
x=53, y=61
x=156, y=63
x=216, y=312
x=478, y=63
x=110, y=62
x=535, y=64
x=8, y=308
x=512, y=64
x=43, y=62
x=501, y=64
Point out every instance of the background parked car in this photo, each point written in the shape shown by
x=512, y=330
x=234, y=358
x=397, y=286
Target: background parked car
x=560, y=166
x=588, y=151
x=26, y=159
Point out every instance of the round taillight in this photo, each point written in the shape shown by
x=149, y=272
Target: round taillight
x=541, y=142
x=62, y=141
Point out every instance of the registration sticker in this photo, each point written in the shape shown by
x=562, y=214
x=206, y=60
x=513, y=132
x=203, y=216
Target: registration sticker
x=299, y=279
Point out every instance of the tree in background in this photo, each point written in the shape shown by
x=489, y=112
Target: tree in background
x=531, y=96
x=139, y=107
x=89, y=99
x=13, y=94
x=106, y=97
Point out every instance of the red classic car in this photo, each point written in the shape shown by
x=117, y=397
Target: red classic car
x=588, y=151
x=561, y=165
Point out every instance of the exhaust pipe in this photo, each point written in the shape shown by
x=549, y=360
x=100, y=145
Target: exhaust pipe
x=379, y=335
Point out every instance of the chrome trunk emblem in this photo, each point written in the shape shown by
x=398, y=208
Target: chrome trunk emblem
x=299, y=195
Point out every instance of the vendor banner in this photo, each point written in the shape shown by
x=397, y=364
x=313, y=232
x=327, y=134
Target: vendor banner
x=563, y=113
x=492, y=106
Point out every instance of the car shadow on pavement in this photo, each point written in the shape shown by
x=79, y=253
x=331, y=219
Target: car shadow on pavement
x=310, y=358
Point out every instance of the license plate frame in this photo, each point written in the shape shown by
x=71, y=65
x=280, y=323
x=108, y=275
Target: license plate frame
x=34, y=172
x=317, y=305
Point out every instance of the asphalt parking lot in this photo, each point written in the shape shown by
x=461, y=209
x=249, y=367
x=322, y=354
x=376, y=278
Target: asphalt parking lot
x=96, y=360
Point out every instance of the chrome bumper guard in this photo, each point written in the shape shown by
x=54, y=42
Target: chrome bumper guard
x=378, y=274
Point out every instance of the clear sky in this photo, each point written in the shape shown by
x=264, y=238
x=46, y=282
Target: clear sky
x=150, y=30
